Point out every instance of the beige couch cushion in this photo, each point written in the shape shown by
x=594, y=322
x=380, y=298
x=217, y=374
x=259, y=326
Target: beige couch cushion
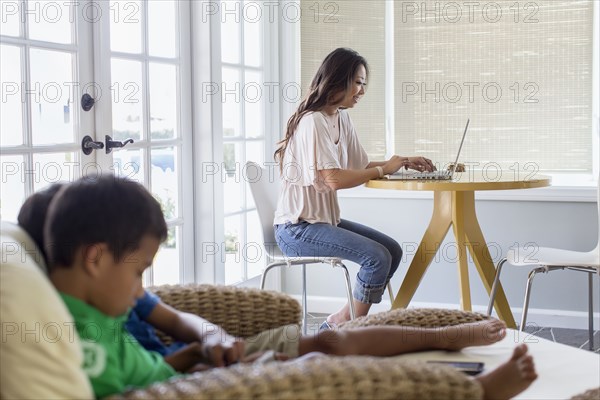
x=40, y=354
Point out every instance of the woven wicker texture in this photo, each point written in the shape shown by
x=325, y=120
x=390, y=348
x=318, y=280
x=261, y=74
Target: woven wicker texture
x=323, y=378
x=419, y=317
x=242, y=312
x=592, y=394
x=245, y=312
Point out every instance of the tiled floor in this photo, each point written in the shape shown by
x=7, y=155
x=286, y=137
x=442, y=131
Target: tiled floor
x=571, y=337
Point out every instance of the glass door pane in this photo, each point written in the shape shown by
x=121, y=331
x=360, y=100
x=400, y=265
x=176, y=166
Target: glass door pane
x=130, y=164
x=166, y=266
x=127, y=99
x=163, y=101
x=165, y=184
x=13, y=190
x=162, y=25
x=146, y=87
x=50, y=97
x=126, y=26
x=46, y=60
x=232, y=250
x=52, y=168
x=244, y=101
x=11, y=129
x=50, y=21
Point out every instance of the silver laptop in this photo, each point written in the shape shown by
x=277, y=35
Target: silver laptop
x=403, y=174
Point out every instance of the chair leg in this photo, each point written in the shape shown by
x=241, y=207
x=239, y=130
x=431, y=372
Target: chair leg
x=591, y=309
x=495, y=286
x=348, y=289
x=532, y=274
x=304, y=302
x=390, y=292
x=268, y=268
x=263, y=278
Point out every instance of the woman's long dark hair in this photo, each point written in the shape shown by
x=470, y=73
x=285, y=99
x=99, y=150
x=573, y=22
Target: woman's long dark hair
x=331, y=82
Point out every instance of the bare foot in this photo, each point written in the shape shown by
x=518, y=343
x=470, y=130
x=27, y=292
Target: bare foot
x=339, y=317
x=510, y=378
x=473, y=334
x=332, y=322
x=343, y=314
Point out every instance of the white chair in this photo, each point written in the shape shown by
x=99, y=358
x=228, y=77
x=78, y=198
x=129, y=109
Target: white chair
x=552, y=259
x=265, y=190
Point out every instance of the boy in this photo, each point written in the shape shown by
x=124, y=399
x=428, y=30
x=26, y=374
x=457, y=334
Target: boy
x=149, y=312
x=100, y=236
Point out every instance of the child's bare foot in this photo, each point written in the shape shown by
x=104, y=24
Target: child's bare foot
x=473, y=334
x=510, y=378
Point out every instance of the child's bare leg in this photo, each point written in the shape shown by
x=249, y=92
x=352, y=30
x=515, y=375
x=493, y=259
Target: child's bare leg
x=474, y=334
x=343, y=314
x=393, y=340
x=510, y=378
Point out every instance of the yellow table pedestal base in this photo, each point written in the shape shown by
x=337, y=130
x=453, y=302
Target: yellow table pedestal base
x=456, y=209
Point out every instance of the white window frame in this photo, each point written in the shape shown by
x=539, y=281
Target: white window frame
x=205, y=49
x=80, y=50
x=102, y=73
x=208, y=139
x=584, y=190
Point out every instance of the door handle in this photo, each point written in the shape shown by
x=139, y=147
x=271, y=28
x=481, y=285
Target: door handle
x=87, y=102
x=88, y=145
x=112, y=144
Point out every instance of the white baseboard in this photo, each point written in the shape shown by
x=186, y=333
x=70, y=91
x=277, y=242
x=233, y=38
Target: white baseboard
x=535, y=317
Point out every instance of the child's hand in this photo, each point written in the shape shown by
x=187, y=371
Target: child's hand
x=223, y=350
x=274, y=356
x=200, y=367
x=185, y=358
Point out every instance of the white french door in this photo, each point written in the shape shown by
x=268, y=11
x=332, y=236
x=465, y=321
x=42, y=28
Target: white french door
x=127, y=63
x=247, y=102
x=46, y=68
x=144, y=66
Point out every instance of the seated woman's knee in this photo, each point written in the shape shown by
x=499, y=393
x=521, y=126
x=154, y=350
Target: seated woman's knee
x=396, y=251
x=396, y=256
x=381, y=257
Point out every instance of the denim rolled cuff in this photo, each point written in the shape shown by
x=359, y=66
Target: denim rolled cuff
x=368, y=294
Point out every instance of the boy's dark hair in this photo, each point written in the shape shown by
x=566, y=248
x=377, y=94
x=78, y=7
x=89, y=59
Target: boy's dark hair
x=109, y=209
x=33, y=214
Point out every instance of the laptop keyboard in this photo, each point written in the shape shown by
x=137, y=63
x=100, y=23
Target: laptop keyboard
x=423, y=175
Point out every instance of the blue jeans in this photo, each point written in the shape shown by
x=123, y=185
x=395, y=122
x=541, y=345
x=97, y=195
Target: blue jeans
x=378, y=255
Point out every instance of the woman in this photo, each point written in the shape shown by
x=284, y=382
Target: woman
x=321, y=154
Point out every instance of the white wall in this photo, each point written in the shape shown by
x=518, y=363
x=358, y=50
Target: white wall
x=558, y=299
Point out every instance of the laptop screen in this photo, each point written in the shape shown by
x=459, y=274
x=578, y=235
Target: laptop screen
x=460, y=147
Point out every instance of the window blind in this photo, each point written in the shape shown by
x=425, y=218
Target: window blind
x=358, y=25
x=522, y=71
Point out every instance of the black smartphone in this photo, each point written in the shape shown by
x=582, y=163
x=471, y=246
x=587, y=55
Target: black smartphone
x=468, y=367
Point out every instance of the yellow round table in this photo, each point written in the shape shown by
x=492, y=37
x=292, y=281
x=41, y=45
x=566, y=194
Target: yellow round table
x=454, y=205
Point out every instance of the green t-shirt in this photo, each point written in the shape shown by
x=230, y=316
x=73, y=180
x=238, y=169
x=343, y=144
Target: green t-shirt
x=113, y=359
